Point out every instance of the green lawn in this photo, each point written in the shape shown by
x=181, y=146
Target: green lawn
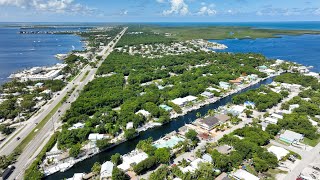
x=311, y=142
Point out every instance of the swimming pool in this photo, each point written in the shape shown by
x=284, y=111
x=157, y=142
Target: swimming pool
x=168, y=142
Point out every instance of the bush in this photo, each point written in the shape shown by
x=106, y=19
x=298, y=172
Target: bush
x=144, y=165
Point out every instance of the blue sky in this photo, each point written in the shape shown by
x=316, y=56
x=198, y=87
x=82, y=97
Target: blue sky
x=158, y=10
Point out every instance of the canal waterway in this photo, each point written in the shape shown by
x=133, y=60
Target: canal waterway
x=156, y=133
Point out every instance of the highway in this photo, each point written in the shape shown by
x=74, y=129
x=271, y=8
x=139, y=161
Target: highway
x=42, y=137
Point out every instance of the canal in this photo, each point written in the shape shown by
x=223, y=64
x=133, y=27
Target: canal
x=156, y=133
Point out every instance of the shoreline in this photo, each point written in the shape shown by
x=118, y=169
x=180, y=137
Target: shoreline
x=96, y=151
x=83, y=45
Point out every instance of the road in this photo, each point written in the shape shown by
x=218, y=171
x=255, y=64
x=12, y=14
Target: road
x=34, y=147
x=307, y=158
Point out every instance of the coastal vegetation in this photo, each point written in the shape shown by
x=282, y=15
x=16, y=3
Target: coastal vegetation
x=222, y=32
x=297, y=78
x=124, y=90
x=263, y=98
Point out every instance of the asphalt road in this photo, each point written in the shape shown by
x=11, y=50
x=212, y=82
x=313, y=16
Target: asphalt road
x=33, y=148
x=307, y=158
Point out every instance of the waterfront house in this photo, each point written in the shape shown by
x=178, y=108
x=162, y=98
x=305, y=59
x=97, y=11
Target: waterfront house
x=95, y=136
x=236, y=110
x=291, y=137
x=279, y=152
x=184, y=101
x=209, y=123
x=241, y=174
x=252, y=77
x=213, y=89
x=222, y=117
x=77, y=176
x=207, y=94
x=106, y=170
x=263, y=67
x=224, y=85
x=132, y=158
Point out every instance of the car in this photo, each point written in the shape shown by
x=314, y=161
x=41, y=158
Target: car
x=18, y=138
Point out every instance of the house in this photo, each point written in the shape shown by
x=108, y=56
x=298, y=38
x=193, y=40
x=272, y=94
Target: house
x=165, y=107
x=263, y=67
x=129, y=125
x=134, y=157
x=207, y=94
x=276, y=116
x=209, y=123
x=224, y=149
x=144, y=113
x=291, y=137
x=271, y=120
x=241, y=174
x=207, y=158
x=39, y=85
x=224, y=85
x=95, y=136
x=78, y=125
x=293, y=106
x=77, y=176
x=252, y=77
x=184, y=101
x=222, y=117
x=249, y=104
x=106, y=170
x=223, y=176
x=236, y=81
x=236, y=110
x=213, y=89
x=194, y=165
x=264, y=125
x=279, y=152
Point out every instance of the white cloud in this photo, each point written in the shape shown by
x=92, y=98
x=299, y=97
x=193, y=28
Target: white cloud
x=206, y=11
x=56, y=6
x=177, y=7
x=317, y=11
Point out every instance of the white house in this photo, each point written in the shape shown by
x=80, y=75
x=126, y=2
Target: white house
x=241, y=174
x=271, y=120
x=278, y=151
x=106, y=170
x=95, y=136
x=78, y=125
x=144, y=113
x=129, y=125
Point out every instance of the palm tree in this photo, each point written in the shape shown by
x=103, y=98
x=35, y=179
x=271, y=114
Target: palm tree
x=198, y=115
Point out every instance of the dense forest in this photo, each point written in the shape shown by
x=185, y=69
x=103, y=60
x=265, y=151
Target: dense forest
x=263, y=98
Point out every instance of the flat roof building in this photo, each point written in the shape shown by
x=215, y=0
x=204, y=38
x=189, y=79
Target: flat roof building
x=209, y=123
x=278, y=151
x=241, y=174
x=106, y=170
x=291, y=137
